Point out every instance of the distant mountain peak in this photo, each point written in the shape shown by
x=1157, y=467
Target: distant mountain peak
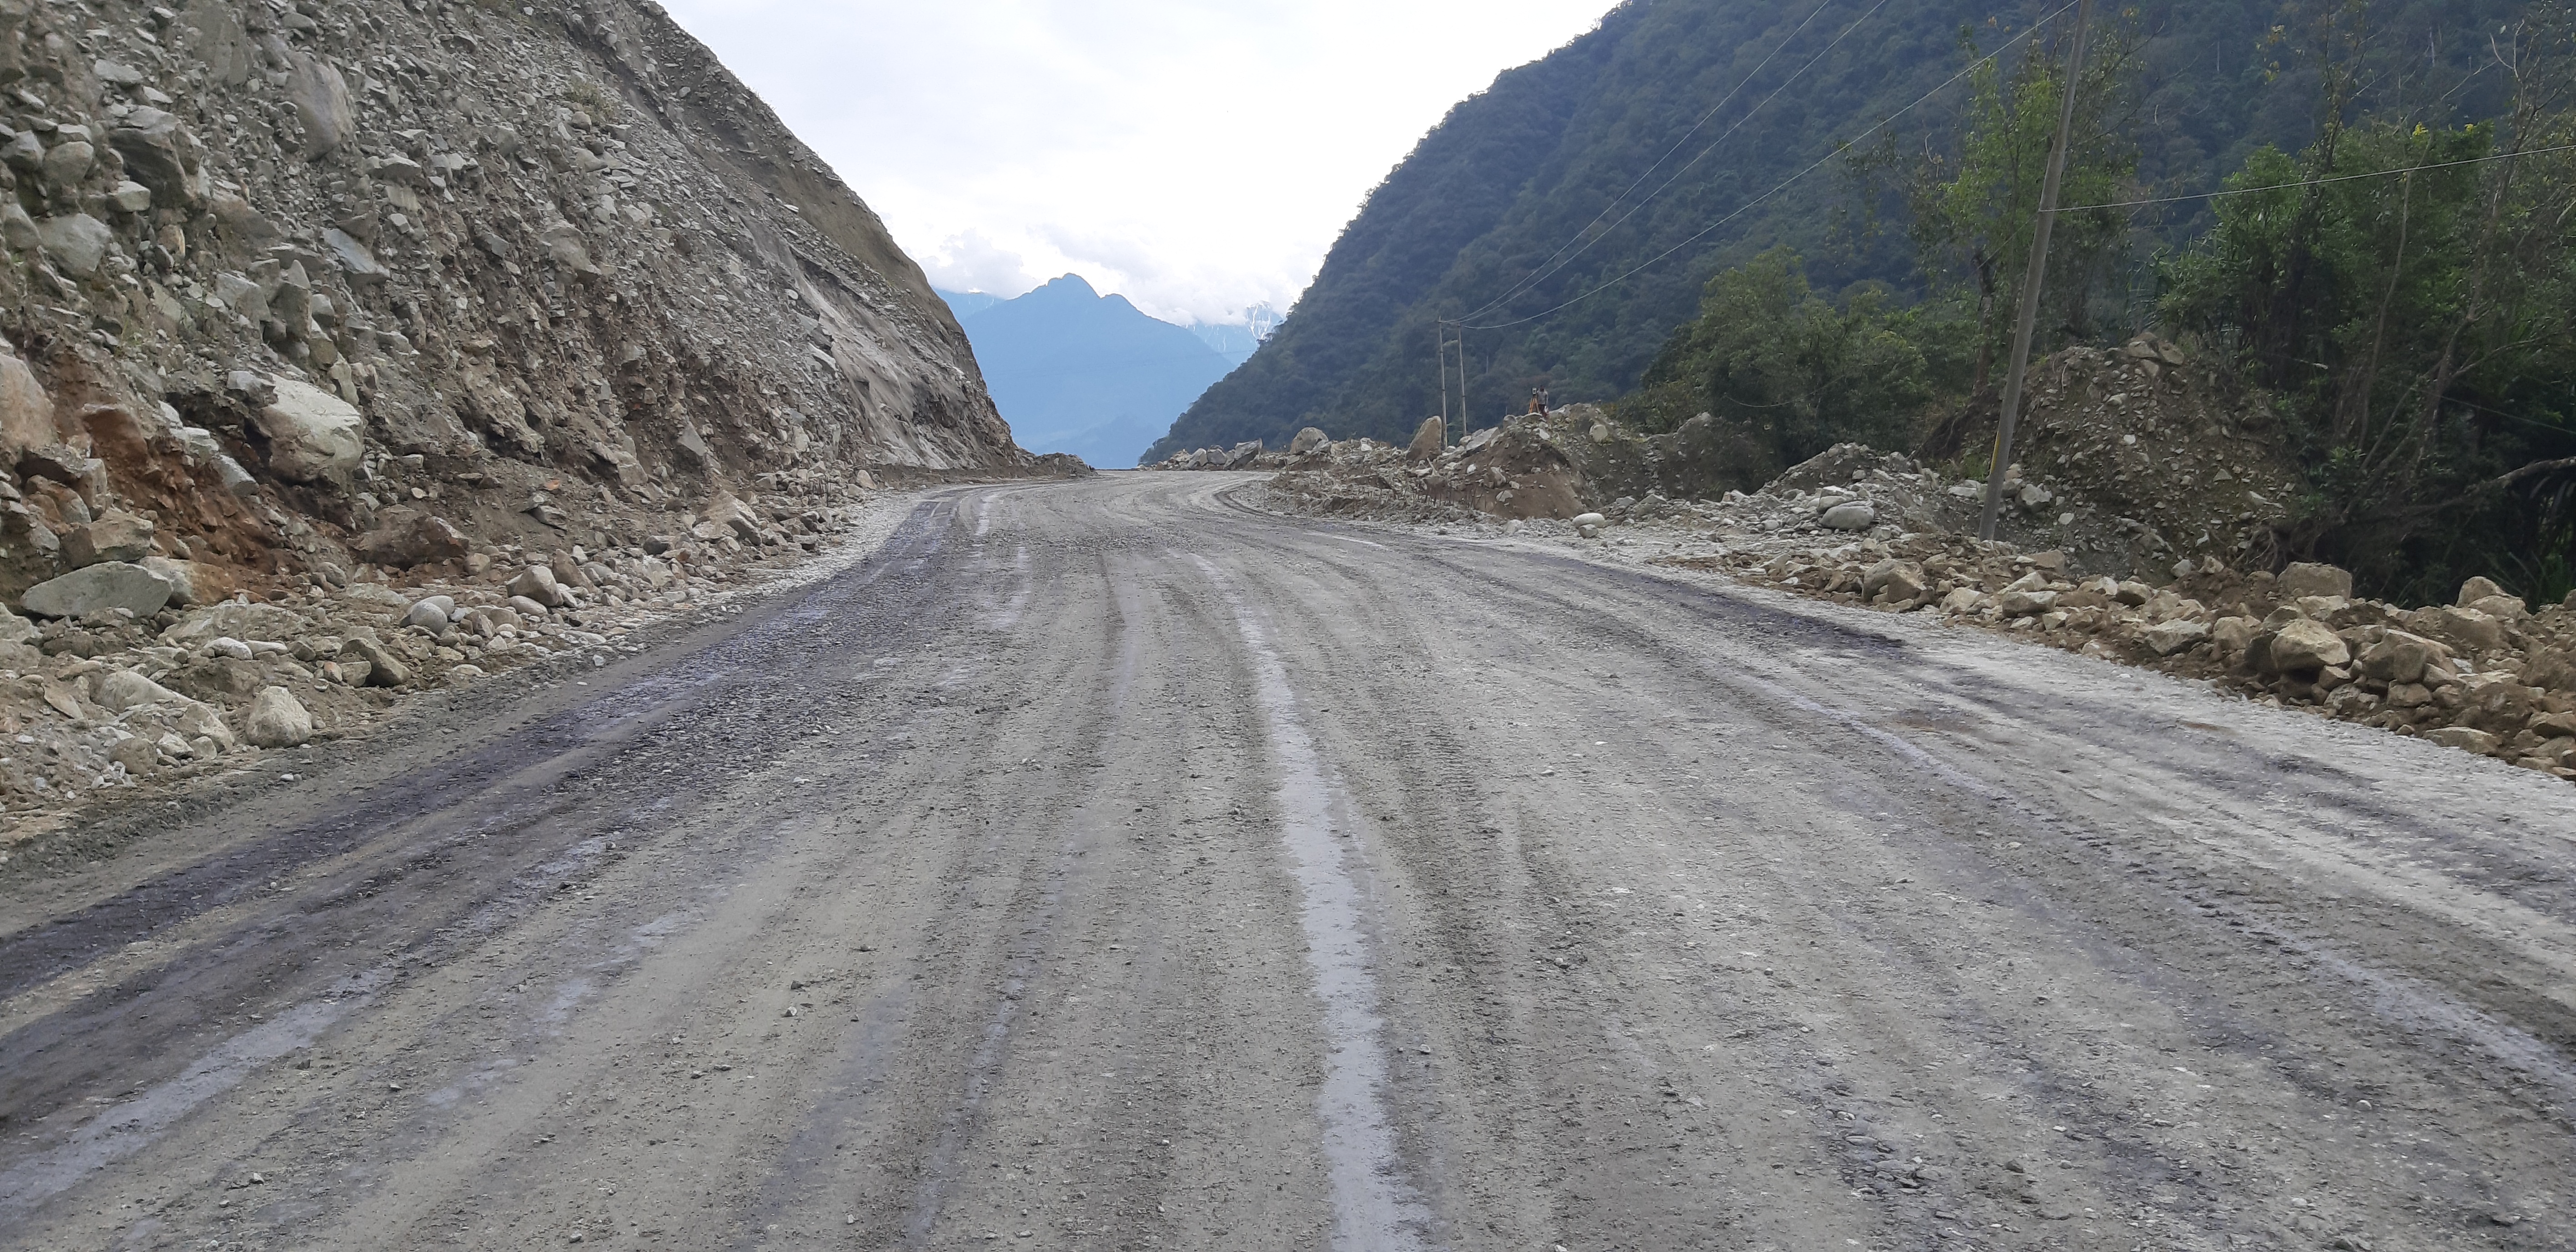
x=1076, y=371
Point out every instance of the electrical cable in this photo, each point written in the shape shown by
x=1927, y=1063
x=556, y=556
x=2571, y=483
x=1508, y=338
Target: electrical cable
x=2315, y=182
x=1785, y=184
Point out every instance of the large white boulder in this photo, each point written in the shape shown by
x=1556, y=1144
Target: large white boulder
x=277, y=720
x=97, y=589
x=313, y=436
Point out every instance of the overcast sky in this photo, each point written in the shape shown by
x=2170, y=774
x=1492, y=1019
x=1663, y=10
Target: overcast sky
x=1197, y=156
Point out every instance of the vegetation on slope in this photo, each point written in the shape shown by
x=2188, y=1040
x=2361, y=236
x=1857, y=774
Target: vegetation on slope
x=2404, y=289
x=1568, y=148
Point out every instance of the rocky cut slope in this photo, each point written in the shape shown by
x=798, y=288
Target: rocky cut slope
x=292, y=291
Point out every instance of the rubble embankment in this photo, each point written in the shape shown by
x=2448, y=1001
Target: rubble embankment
x=112, y=707
x=2138, y=531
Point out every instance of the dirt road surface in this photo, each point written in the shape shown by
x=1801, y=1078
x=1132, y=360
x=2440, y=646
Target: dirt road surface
x=1107, y=866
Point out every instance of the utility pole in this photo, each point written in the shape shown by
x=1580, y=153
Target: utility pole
x=2031, y=282
x=1440, y=333
x=1440, y=345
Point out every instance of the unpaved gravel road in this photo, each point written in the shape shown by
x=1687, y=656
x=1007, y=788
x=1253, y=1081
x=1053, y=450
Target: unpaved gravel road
x=1102, y=865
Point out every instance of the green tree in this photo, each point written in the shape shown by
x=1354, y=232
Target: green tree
x=2410, y=291
x=1971, y=209
x=1791, y=369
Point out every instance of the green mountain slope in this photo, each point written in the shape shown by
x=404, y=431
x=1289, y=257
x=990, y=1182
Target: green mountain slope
x=1512, y=174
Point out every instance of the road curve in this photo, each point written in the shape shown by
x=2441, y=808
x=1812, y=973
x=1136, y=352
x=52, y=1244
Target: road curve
x=1106, y=865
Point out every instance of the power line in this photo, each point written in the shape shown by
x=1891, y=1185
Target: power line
x=1785, y=184
x=1551, y=265
x=2317, y=182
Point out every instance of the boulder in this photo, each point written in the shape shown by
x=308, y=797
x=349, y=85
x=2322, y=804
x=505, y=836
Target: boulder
x=383, y=669
x=66, y=164
x=126, y=689
x=321, y=99
x=570, y=573
x=1589, y=524
x=99, y=588
x=526, y=608
x=2234, y=634
x=60, y=463
x=734, y=515
x=2468, y=627
x=1963, y=600
x=1901, y=580
x=1850, y=515
x=277, y=720
x=2305, y=579
x=537, y=585
x=234, y=620
x=76, y=243
x=2477, y=589
x=157, y=152
x=116, y=536
x=16, y=629
x=2399, y=657
x=190, y=583
x=431, y=615
x=313, y=435
x=218, y=677
x=2501, y=608
x=2463, y=738
x=2498, y=703
x=417, y=539
x=2304, y=646
x=1428, y=439
x=1308, y=440
x=2026, y=603
x=2175, y=636
x=26, y=412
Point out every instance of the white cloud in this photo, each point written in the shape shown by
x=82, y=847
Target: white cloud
x=969, y=261
x=1196, y=155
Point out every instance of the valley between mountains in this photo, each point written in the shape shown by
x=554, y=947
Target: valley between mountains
x=1109, y=864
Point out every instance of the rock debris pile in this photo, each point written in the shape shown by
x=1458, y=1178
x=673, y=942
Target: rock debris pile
x=2484, y=675
x=94, y=704
x=1861, y=527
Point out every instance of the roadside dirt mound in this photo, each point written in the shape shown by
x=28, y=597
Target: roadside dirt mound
x=2153, y=455
x=111, y=707
x=1858, y=526
x=2484, y=675
x=2132, y=459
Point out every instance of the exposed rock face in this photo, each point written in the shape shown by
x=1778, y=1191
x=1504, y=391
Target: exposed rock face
x=551, y=275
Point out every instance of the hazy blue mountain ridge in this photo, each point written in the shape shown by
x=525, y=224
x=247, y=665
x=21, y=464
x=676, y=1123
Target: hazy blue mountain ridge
x=1076, y=371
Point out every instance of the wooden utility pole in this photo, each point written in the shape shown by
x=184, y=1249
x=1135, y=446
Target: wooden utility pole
x=1440, y=345
x=2031, y=282
x=1440, y=334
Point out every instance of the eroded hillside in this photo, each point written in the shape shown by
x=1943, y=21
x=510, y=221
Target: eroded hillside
x=293, y=291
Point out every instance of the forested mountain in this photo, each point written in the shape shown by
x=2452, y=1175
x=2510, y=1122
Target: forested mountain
x=1469, y=222
x=1076, y=371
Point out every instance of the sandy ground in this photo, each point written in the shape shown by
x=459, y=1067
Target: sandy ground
x=1106, y=865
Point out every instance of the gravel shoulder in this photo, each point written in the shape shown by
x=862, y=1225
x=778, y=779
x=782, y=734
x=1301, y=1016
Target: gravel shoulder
x=1112, y=862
